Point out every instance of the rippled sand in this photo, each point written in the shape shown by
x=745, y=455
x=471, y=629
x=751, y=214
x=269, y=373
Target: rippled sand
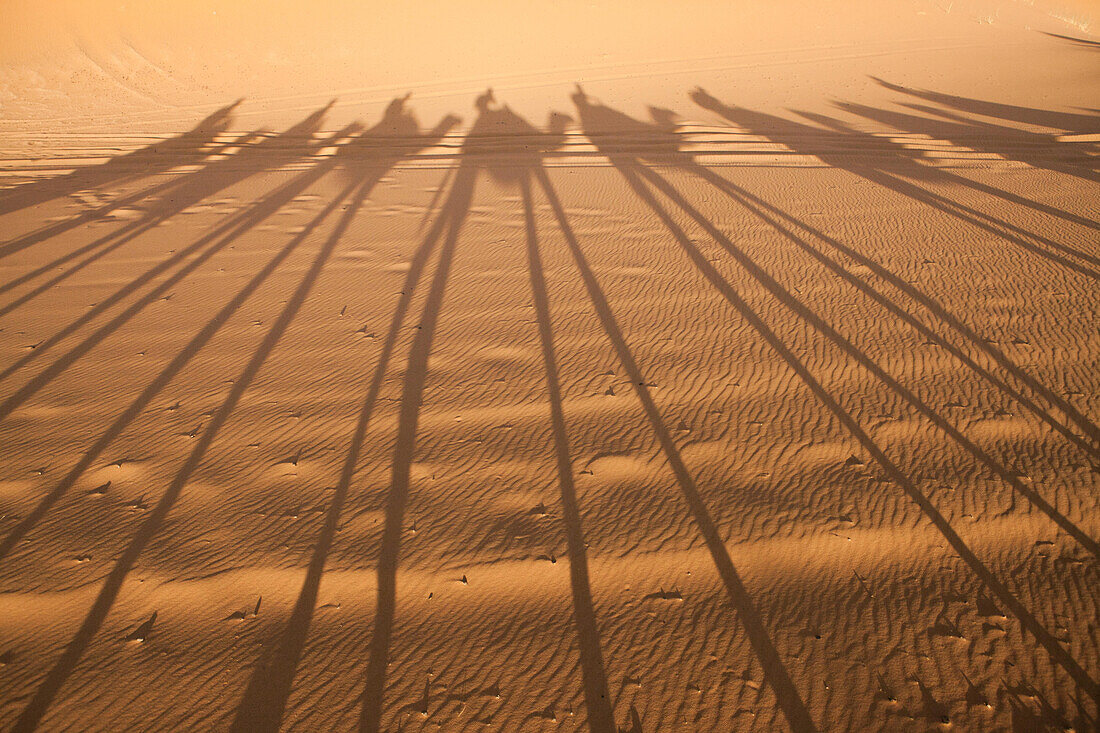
x=743, y=378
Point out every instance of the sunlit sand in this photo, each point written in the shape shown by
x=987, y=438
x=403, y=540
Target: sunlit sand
x=550, y=366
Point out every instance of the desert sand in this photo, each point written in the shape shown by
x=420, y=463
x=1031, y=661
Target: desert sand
x=550, y=366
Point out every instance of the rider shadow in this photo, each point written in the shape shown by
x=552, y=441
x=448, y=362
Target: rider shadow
x=396, y=137
x=508, y=147
x=503, y=146
x=512, y=151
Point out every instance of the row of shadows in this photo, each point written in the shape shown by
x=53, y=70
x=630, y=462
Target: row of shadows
x=603, y=126
x=508, y=148
x=898, y=172
x=175, y=197
x=269, y=688
x=955, y=121
x=885, y=161
x=159, y=157
x=514, y=155
x=368, y=156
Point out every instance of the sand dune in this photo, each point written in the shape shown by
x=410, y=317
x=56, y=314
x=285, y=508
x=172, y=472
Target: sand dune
x=731, y=373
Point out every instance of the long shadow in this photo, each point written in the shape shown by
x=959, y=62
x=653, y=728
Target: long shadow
x=214, y=241
x=592, y=116
x=1082, y=42
x=795, y=136
x=64, y=667
x=265, y=698
x=159, y=382
x=905, y=161
x=288, y=146
x=631, y=169
x=44, y=233
x=790, y=702
x=598, y=702
x=370, y=718
x=163, y=155
x=516, y=152
x=925, y=300
x=787, y=696
x=430, y=210
x=474, y=149
x=1070, y=121
x=1034, y=149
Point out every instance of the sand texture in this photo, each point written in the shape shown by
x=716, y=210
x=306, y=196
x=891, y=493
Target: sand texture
x=738, y=372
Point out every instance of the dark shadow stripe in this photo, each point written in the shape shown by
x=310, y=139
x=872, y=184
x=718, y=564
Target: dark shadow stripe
x=597, y=701
x=787, y=696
